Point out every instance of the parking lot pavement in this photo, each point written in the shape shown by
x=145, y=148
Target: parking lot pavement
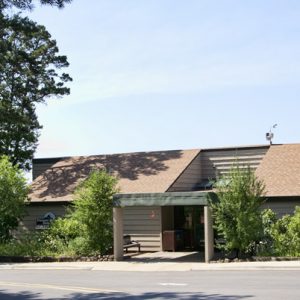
x=89, y=284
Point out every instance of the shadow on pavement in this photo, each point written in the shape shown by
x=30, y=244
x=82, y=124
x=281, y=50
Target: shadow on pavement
x=25, y=295
x=167, y=257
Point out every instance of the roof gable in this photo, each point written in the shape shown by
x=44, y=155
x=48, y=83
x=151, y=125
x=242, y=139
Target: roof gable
x=143, y=172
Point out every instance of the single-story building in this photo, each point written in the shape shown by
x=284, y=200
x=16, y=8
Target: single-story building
x=162, y=202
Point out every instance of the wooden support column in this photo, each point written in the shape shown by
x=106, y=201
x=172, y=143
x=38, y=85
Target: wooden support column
x=118, y=233
x=208, y=234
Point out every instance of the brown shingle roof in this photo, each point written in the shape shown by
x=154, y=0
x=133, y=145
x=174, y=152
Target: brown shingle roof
x=144, y=172
x=280, y=170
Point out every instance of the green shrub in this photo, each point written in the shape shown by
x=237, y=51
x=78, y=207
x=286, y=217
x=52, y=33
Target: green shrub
x=237, y=217
x=281, y=237
x=87, y=227
x=80, y=246
x=64, y=229
x=266, y=245
x=286, y=235
x=294, y=232
x=31, y=244
x=93, y=208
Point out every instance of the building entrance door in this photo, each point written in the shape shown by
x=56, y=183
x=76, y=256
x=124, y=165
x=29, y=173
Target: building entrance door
x=190, y=220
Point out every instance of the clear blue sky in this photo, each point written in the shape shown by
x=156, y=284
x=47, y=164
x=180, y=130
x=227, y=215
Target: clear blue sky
x=173, y=74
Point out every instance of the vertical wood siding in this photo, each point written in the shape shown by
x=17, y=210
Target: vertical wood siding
x=143, y=224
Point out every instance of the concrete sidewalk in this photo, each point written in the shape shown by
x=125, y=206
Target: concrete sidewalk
x=155, y=266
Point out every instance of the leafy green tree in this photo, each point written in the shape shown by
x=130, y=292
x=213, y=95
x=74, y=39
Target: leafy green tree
x=237, y=212
x=93, y=207
x=29, y=74
x=13, y=195
x=87, y=228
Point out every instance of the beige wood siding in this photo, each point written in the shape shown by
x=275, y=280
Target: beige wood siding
x=143, y=224
x=215, y=163
x=189, y=178
x=38, y=210
x=209, y=164
x=282, y=207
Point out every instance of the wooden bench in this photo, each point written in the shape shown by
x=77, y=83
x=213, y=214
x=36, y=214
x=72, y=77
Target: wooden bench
x=128, y=243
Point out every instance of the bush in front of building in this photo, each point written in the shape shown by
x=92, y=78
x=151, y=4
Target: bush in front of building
x=281, y=237
x=13, y=196
x=294, y=233
x=87, y=227
x=85, y=231
x=237, y=217
x=266, y=244
x=30, y=244
x=93, y=207
x=57, y=237
x=64, y=237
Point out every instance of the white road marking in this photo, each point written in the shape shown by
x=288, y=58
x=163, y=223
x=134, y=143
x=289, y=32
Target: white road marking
x=172, y=284
x=57, y=287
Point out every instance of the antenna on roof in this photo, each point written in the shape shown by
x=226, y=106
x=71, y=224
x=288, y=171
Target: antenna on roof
x=270, y=134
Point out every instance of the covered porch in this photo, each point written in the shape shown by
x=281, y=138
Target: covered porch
x=171, y=221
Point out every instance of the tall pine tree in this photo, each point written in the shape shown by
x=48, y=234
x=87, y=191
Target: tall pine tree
x=28, y=4
x=29, y=74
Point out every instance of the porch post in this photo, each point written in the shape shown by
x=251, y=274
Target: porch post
x=208, y=234
x=118, y=233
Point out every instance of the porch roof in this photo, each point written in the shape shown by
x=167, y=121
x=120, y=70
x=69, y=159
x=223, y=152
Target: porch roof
x=162, y=199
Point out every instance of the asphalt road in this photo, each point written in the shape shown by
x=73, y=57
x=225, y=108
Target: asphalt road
x=92, y=285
